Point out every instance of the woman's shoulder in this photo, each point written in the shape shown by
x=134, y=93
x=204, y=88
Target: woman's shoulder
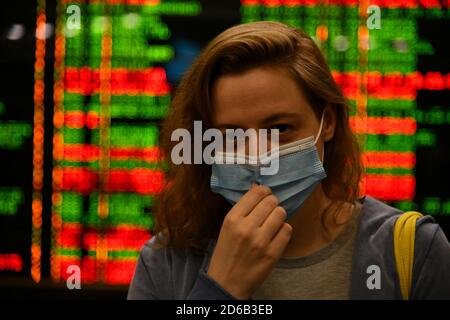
x=156, y=254
x=378, y=219
x=160, y=269
x=374, y=246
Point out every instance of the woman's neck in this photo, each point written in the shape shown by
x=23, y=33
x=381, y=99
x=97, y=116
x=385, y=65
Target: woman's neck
x=313, y=231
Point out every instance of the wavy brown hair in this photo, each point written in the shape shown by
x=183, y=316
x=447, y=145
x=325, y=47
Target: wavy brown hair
x=187, y=212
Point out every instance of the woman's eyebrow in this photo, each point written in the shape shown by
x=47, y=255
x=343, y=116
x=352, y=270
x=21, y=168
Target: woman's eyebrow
x=280, y=116
x=227, y=126
x=270, y=119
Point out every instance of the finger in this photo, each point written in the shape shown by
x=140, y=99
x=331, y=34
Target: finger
x=249, y=200
x=272, y=224
x=276, y=248
x=259, y=214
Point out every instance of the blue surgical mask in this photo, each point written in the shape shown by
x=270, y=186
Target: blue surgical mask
x=299, y=171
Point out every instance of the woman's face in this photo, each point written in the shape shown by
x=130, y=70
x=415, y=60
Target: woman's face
x=264, y=98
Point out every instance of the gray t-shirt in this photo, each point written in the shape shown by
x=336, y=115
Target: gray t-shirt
x=324, y=274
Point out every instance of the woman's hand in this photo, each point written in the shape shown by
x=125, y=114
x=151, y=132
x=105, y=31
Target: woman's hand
x=252, y=239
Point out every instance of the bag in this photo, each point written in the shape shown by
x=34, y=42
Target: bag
x=404, y=237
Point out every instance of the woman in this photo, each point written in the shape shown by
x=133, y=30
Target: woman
x=321, y=241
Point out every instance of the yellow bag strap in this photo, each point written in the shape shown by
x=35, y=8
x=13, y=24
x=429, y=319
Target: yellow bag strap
x=404, y=236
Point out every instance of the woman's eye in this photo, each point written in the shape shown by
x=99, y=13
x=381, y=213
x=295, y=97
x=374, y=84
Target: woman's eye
x=281, y=127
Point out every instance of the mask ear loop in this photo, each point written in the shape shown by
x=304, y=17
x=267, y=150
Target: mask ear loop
x=319, y=133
